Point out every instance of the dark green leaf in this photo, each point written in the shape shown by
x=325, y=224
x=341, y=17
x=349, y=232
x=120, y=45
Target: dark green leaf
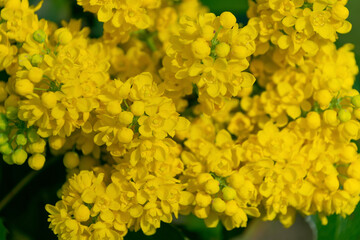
x=339, y=228
x=3, y=230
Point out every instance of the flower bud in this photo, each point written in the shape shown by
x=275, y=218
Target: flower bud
x=352, y=186
x=330, y=117
x=114, y=108
x=125, y=135
x=228, y=193
x=3, y=138
x=137, y=108
x=344, y=115
x=200, y=48
x=203, y=199
x=19, y=156
x=36, y=59
x=6, y=148
x=39, y=36
x=35, y=74
x=126, y=117
x=21, y=140
x=212, y=186
x=36, y=161
x=82, y=213
x=332, y=182
x=24, y=87
x=11, y=113
x=56, y=142
x=313, y=120
x=323, y=97
x=71, y=160
x=218, y=205
x=49, y=99
x=356, y=101
x=222, y=49
x=227, y=20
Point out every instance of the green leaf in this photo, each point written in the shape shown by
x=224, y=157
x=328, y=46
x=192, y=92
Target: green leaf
x=339, y=228
x=3, y=230
x=165, y=232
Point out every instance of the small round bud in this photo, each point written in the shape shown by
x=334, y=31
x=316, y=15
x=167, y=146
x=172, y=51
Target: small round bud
x=137, y=108
x=222, y=49
x=126, y=117
x=332, y=182
x=3, y=138
x=6, y=149
x=39, y=36
x=344, y=115
x=64, y=36
x=21, y=140
x=212, y=186
x=36, y=59
x=340, y=11
x=236, y=180
x=227, y=20
x=125, y=135
x=8, y=159
x=218, y=205
x=202, y=178
x=114, y=107
x=36, y=161
x=35, y=74
x=352, y=186
x=11, y=113
x=19, y=156
x=323, y=97
x=354, y=169
x=228, y=193
x=82, y=213
x=330, y=117
x=357, y=113
x=356, y=101
x=200, y=48
x=49, y=99
x=203, y=199
x=240, y=52
x=71, y=160
x=56, y=142
x=36, y=147
x=231, y=208
x=313, y=120
x=24, y=87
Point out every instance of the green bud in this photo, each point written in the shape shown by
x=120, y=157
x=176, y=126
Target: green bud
x=19, y=156
x=21, y=140
x=6, y=149
x=3, y=138
x=8, y=159
x=3, y=122
x=11, y=113
x=32, y=135
x=36, y=59
x=356, y=101
x=39, y=36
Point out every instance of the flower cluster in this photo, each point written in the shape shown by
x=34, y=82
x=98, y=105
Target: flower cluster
x=177, y=111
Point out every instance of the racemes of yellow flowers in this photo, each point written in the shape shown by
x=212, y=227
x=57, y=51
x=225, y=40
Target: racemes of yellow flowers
x=177, y=111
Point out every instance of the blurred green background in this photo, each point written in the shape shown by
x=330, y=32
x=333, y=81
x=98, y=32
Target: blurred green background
x=25, y=217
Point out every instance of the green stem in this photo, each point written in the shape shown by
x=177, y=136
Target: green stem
x=17, y=189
